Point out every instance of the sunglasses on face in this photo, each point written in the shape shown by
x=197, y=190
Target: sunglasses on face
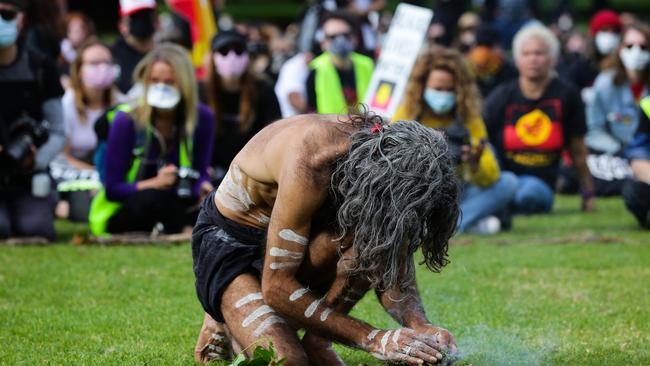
x=642, y=46
x=331, y=37
x=225, y=50
x=8, y=15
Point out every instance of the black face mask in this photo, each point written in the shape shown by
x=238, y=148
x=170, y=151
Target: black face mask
x=141, y=24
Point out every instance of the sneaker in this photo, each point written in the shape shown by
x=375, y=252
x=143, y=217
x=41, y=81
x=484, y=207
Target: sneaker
x=487, y=226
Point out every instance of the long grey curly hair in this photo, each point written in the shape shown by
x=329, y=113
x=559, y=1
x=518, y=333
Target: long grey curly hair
x=395, y=191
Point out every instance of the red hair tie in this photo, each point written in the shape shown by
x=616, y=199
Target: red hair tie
x=376, y=128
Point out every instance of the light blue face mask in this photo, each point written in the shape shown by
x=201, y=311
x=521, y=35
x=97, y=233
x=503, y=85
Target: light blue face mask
x=440, y=101
x=8, y=32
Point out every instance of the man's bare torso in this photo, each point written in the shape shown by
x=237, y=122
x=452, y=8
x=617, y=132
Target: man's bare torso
x=248, y=192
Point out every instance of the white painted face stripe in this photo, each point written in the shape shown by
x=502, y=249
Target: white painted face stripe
x=280, y=265
x=372, y=334
x=273, y=319
x=325, y=314
x=396, y=335
x=384, y=341
x=264, y=309
x=290, y=235
x=219, y=337
x=213, y=355
x=248, y=298
x=298, y=294
x=311, y=309
x=279, y=252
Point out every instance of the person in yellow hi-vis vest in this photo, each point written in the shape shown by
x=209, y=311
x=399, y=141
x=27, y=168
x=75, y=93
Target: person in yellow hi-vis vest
x=442, y=94
x=636, y=192
x=339, y=77
x=157, y=152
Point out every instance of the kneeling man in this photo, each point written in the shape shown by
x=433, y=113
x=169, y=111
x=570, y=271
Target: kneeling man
x=315, y=211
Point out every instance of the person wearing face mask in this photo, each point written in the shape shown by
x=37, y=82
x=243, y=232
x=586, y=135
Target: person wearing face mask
x=636, y=191
x=31, y=130
x=92, y=91
x=137, y=27
x=605, y=29
x=339, y=77
x=243, y=103
x=158, y=151
x=613, y=114
x=442, y=94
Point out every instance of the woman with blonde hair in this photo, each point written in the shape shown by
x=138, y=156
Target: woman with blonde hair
x=442, y=94
x=157, y=151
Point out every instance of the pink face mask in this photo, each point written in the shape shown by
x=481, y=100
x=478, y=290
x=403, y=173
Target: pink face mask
x=100, y=76
x=230, y=66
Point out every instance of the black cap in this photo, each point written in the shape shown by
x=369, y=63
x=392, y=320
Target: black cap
x=487, y=35
x=20, y=4
x=227, y=37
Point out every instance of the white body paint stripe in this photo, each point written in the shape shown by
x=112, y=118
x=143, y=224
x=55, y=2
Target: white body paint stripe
x=384, y=341
x=218, y=337
x=372, y=334
x=279, y=252
x=215, y=348
x=350, y=300
x=396, y=336
x=280, y=265
x=290, y=235
x=264, y=309
x=298, y=294
x=311, y=309
x=325, y=314
x=254, y=296
x=273, y=319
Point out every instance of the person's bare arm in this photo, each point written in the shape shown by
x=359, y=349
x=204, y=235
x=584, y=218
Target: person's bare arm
x=298, y=102
x=406, y=308
x=67, y=152
x=302, y=190
x=641, y=170
x=578, y=151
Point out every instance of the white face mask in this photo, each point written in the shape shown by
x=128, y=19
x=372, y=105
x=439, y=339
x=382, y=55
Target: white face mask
x=634, y=58
x=606, y=42
x=163, y=96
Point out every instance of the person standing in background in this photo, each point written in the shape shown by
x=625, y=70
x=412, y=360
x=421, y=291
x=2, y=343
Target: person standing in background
x=339, y=77
x=137, y=26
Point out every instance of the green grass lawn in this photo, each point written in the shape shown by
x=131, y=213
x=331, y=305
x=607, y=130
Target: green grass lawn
x=562, y=289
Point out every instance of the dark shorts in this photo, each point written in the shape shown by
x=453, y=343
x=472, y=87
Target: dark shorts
x=222, y=250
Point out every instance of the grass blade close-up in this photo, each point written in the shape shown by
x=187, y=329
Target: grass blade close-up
x=562, y=289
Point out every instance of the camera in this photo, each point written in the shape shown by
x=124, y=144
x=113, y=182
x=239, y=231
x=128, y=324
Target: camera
x=186, y=179
x=24, y=133
x=457, y=137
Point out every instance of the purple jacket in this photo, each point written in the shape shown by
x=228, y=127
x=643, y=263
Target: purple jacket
x=121, y=143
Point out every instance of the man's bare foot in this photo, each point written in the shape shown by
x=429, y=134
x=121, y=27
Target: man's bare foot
x=213, y=343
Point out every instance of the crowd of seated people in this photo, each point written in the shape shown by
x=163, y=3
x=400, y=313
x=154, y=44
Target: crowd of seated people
x=530, y=110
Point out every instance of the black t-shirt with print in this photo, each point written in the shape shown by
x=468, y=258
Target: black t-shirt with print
x=529, y=135
x=348, y=84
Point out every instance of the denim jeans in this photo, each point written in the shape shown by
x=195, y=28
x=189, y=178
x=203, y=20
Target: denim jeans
x=478, y=203
x=533, y=196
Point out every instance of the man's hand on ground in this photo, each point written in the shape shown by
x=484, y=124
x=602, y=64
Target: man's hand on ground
x=405, y=345
x=441, y=336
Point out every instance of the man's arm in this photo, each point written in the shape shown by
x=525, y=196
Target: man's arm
x=301, y=192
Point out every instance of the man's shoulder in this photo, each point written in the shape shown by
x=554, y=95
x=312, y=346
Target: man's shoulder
x=502, y=93
x=563, y=89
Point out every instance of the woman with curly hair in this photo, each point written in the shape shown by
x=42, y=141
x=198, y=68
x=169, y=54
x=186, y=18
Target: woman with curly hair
x=442, y=94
